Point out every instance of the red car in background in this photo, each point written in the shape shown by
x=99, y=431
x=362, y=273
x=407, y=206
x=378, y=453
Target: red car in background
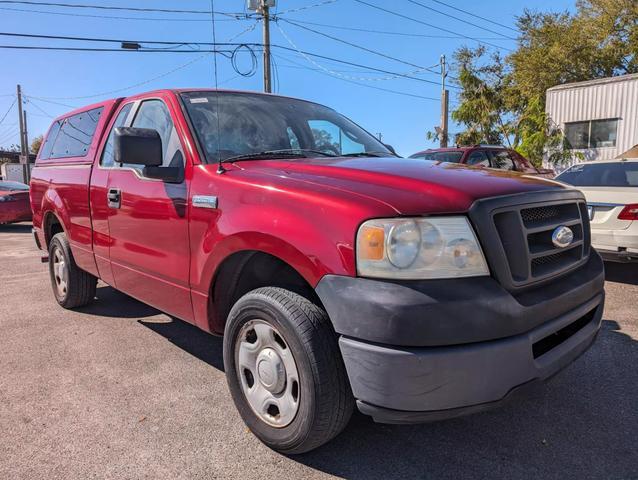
x=489, y=156
x=14, y=202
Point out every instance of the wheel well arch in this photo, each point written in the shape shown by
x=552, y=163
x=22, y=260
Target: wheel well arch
x=247, y=270
x=51, y=226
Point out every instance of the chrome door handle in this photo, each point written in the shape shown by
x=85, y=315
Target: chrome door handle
x=114, y=198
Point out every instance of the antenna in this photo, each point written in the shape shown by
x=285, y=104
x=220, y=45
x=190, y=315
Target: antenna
x=220, y=166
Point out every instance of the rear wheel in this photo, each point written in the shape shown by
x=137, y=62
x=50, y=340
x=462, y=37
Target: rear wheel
x=284, y=370
x=72, y=286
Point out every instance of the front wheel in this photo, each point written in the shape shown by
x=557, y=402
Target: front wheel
x=284, y=370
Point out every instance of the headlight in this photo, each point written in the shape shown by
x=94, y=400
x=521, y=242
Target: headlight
x=419, y=248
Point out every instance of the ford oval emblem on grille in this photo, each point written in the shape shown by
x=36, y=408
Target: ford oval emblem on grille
x=562, y=236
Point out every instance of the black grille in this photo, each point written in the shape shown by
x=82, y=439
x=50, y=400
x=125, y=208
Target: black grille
x=526, y=236
x=539, y=214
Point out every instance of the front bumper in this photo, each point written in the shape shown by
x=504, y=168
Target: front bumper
x=420, y=351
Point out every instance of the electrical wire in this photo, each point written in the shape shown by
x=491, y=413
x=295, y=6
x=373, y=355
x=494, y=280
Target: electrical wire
x=112, y=7
x=386, y=32
x=117, y=50
x=107, y=17
x=47, y=100
x=31, y=102
x=475, y=15
x=9, y=134
x=305, y=67
x=377, y=7
x=306, y=7
x=307, y=56
x=119, y=40
x=461, y=20
x=360, y=47
x=8, y=110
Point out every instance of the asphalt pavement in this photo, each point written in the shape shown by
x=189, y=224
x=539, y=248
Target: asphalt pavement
x=119, y=390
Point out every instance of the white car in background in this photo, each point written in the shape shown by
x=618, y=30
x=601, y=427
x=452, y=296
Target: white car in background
x=611, y=190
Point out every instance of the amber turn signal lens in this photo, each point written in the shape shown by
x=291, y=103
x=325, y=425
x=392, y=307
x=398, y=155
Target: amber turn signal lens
x=371, y=241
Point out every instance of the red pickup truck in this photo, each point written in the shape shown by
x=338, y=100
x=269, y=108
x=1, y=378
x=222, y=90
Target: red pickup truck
x=338, y=273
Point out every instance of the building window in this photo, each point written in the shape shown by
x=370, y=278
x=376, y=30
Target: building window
x=591, y=134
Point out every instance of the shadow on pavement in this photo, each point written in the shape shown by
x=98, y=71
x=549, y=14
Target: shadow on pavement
x=191, y=339
x=15, y=228
x=582, y=424
x=621, y=272
x=112, y=303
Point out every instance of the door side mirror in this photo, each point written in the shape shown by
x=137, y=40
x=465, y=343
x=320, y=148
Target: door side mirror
x=138, y=146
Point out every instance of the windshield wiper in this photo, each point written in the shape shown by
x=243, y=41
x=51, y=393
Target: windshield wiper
x=285, y=152
x=367, y=154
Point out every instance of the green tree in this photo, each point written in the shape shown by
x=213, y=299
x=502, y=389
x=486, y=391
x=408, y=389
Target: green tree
x=36, y=143
x=503, y=99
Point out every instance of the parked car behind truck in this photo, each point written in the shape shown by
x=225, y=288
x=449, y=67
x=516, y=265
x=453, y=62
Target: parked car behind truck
x=611, y=190
x=485, y=156
x=339, y=274
x=14, y=202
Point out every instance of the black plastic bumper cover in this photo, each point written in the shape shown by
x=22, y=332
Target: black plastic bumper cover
x=450, y=312
x=430, y=350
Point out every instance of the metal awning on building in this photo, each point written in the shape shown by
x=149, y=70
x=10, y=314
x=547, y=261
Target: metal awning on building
x=631, y=153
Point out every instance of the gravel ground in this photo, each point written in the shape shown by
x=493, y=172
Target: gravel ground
x=120, y=390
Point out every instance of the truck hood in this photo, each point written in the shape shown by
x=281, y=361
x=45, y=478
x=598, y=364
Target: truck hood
x=409, y=186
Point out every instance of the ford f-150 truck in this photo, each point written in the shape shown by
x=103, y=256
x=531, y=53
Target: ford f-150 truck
x=339, y=274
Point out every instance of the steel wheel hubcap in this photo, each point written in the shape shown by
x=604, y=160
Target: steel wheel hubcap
x=268, y=373
x=59, y=272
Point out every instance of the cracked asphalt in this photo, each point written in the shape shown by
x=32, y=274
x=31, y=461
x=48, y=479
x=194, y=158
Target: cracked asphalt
x=120, y=390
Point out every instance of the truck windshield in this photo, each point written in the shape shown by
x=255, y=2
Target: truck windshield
x=607, y=174
x=237, y=126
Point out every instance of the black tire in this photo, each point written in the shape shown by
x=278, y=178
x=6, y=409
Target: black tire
x=80, y=285
x=326, y=402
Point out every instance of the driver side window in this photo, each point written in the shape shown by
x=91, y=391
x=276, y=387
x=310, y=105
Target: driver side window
x=329, y=138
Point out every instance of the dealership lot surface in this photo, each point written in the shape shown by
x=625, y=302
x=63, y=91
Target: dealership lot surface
x=120, y=390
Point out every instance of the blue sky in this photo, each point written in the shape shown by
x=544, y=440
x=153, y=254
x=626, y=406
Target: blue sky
x=60, y=80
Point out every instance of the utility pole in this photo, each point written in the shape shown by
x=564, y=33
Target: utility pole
x=24, y=138
x=265, y=12
x=23, y=146
x=444, y=105
x=263, y=7
x=25, y=154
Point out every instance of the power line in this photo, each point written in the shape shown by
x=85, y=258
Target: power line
x=307, y=55
x=365, y=49
x=119, y=40
x=31, y=102
x=117, y=50
x=386, y=32
x=461, y=20
x=46, y=100
x=295, y=49
x=429, y=24
x=106, y=17
x=475, y=15
x=306, y=7
x=8, y=110
x=127, y=9
x=305, y=67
